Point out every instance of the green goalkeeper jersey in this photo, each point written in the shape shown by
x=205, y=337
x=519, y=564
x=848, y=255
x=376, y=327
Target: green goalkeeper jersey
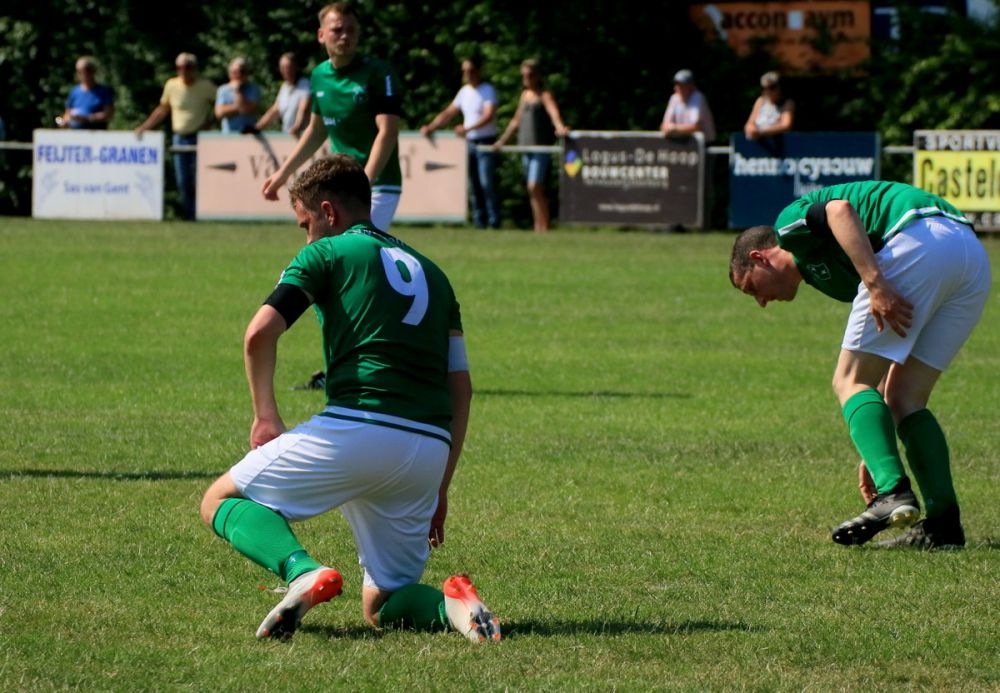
x=885, y=208
x=385, y=312
x=348, y=99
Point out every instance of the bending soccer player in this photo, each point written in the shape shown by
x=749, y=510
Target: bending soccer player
x=385, y=447
x=906, y=260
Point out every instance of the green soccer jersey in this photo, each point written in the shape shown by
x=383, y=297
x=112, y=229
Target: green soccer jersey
x=348, y=99
x=385, y=312
x=885, y=208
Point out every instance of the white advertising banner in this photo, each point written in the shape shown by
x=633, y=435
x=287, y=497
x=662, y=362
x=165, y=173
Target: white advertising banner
x=232, y=170
x=88, y=174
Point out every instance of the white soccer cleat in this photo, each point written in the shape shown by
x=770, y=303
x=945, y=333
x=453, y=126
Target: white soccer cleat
x=467, y=613
x=305, y=592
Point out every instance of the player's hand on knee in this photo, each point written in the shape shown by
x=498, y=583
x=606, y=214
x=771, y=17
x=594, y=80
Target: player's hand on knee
x=436, y=535
x=265, y=430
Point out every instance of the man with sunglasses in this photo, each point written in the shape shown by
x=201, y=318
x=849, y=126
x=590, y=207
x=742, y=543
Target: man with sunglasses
x=189, y=100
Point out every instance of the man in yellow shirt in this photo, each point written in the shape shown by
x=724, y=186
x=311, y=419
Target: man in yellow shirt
x=189, y=100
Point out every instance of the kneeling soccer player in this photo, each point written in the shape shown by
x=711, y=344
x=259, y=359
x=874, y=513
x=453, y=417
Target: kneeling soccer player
x=385, y=447
x=907, y=259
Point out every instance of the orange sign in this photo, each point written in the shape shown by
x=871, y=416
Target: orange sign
x=804, y=36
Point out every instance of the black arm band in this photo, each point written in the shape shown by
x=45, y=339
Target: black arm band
x=816, y=219
x=290, y=301
x=389, y=105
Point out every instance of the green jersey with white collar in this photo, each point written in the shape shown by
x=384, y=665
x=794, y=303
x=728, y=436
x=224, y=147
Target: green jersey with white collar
x=884, y=207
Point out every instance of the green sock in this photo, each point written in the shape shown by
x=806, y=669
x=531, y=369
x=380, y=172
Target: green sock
x=263, y=536
x=874, y=435
x=927, y=451
x=420, y=607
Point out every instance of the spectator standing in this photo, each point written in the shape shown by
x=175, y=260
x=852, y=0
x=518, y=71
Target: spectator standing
x=237, y=100
x=687, y=110
x=90, y=105
x=292, y=103
x=356, y=102
x=538, y=122
x=772, y=113
x=476, y=101
x=188, y=100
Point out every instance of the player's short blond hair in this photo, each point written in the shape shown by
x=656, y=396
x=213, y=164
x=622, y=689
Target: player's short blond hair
x=344, y=9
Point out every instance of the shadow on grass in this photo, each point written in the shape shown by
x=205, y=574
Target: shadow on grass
x=150, y=475
x=596, y=394
x=513, y=629
x=354, y=632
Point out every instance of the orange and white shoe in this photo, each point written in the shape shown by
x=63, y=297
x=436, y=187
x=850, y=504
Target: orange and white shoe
x=466, y=611
x=304, y=592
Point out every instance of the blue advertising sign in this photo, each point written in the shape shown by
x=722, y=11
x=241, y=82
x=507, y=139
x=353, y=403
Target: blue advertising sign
x=767, y=174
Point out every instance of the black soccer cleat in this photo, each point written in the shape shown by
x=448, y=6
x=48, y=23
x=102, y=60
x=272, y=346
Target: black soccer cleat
x=897, y=508
x=317, y=381
x=935, y=533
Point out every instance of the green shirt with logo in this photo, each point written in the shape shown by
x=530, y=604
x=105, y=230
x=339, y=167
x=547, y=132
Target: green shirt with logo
x=385, y=312
x=348, y=99
x=884, y=207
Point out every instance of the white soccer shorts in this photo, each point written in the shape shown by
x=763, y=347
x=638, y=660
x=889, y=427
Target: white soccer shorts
x=384, y=208
x=384, y=479
x=940, y=267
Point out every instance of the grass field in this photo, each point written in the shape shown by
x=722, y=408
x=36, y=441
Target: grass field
x=652, y=470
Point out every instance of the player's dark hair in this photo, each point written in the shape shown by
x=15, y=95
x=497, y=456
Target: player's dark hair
x=344, y=9
x=754, y=238
x=336, y=177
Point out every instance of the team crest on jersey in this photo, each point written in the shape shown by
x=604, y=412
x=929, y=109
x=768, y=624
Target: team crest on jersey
x=360, y=94
x=820, y=271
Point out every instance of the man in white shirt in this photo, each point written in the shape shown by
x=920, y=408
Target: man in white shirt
x=476, y=101
x=687, y=110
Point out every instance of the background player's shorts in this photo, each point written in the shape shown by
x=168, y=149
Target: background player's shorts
x=940, y=267
x=384, y=480
x=384, y=205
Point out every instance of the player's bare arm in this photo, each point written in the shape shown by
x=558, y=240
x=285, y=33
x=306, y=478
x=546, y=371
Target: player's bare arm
x=388, y=134
x=311, y=139
x=887, y=305
x=260, y=354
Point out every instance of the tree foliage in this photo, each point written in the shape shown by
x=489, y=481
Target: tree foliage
x=608, y=63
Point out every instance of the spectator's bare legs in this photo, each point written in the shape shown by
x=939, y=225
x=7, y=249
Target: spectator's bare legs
x=539, y=206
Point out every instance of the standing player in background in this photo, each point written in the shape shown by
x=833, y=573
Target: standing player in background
x=908, y=260
x=356, y=102
x=385, y=448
